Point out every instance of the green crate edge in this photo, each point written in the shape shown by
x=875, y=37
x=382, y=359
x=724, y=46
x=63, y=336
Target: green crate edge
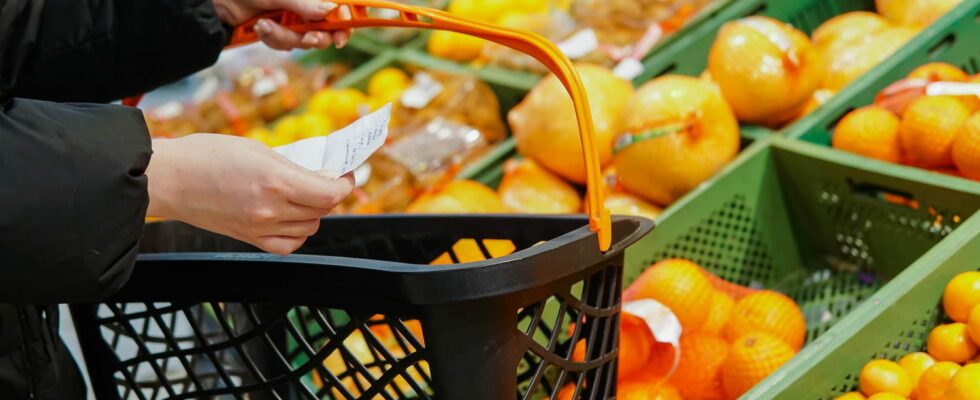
x=811, y=355
x=845, y=346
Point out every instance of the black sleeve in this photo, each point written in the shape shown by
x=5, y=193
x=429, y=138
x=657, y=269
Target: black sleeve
x=72, y=199
x=103, y=50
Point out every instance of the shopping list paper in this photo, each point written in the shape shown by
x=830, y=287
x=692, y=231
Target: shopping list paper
x=344, y=150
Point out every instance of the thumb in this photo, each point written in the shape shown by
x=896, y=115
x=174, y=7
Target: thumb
x=311, y=10
x=319, y=191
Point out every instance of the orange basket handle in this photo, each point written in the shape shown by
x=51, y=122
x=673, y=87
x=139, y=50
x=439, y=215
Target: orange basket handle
x=527, y=42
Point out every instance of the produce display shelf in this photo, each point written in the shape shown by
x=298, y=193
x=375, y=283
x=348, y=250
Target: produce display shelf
x=893, y=322
x=954, y=39
x=827, y=228
x=688, y=55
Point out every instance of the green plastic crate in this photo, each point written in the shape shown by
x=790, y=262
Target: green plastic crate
x=811, y=222
x=689, y=54
x=954, y=39
x=893, y=322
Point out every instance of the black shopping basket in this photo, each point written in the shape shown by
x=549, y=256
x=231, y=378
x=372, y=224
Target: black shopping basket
x=359, y=312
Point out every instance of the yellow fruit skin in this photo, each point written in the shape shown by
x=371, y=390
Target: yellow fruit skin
x=721, y=311
x=625, y=204
x=528, y=188
x=455, y=46
x=884, y=376
x=962, y=293
x=933, y=382
x=951, y=342
x=847, y=61
x=664, y=168
x=752, y=358
x=847, y=27
x=928, y=129
x=764, y=84
x=851, y=396
x=871, y=132
x=965, y=385
x=966, y=148
x=458, y=197
x=770, y=312
x=887, y=396
x=914, y=12
x=973, y=325
x=938, y=71
x=915, y=364
x=545, y=127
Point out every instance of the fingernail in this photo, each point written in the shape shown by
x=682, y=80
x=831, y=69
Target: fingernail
x=340, y=39
x=310, y=39
x=327, y=6
x=345, y=12
x=262, y=26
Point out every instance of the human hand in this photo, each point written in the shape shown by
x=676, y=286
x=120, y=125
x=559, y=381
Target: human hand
x=237, y=12
x=240, y=188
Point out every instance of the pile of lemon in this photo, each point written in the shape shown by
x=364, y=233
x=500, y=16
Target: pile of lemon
x=334, y=108
x=509, y=13
x=950, y=367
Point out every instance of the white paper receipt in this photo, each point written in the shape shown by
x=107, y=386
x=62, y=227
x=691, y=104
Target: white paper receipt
x=344, y=150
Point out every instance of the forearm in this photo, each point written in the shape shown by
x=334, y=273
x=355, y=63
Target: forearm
x=73, y=198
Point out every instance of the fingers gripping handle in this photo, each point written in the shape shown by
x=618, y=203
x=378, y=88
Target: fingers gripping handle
x=526, y=42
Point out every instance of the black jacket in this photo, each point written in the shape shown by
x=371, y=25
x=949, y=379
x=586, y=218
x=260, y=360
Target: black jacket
x=72, y=186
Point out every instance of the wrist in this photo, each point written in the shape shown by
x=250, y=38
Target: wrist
x=160, y=182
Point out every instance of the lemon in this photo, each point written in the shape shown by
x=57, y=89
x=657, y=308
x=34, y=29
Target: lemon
x=286, y=130
x=386, y=81
x=312, y=124
x=531, y=6
x=480, y=10
x=339, y=105
x=455, y=46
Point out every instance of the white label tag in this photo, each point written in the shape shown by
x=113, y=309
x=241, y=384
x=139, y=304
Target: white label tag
x=342, y=151
x=953, y=89
x=580, y=44
x=424, y=89
x=628, y=69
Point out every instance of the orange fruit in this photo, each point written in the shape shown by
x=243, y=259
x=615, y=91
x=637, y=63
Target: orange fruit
x=627, y=204
x=934, y=381
x=698, y=374
x=635, y=344
x=545, y=127
x=719, y=313
x=468, y=250
x=458, y=197
x=951, y=342
x=880, y=376
x=965, y=385
x=871, y=132
x=845, y=28
x=455, y=46
x=565, y=393
x=962, y=293
x=766, y=69
x=675, y=133
x=679, y=285
x=646, y=390
x=973, y=325
x=939, y=71
x=528, y=188
x=915, y=364
x=636, y=347
x=851, y=396
x=342, y=106
x=849, y=61
x=929, y=126
x=887, y=396
x=752, y=358
x=914, y=12
x=966, y=148
x=769, y=312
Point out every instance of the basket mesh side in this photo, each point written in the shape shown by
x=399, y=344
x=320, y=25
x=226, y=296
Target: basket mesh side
x=240, y=351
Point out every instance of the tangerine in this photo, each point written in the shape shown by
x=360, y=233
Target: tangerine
x=965, y=385
x=887, y=396
x=962, y=293
x=458, y=197
x=720, y=312
x=528, y=188
x=973, y=325
x=915, y=364
x=851, y=396
x=951, y=342
x=884, y=376
x=938, y=71
x=681, y=286
x=871, y=132
x=966, y=148
x=769, y=312
x=752, y=358
x=934, y=381
x=928, y=128
x=698, y=374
